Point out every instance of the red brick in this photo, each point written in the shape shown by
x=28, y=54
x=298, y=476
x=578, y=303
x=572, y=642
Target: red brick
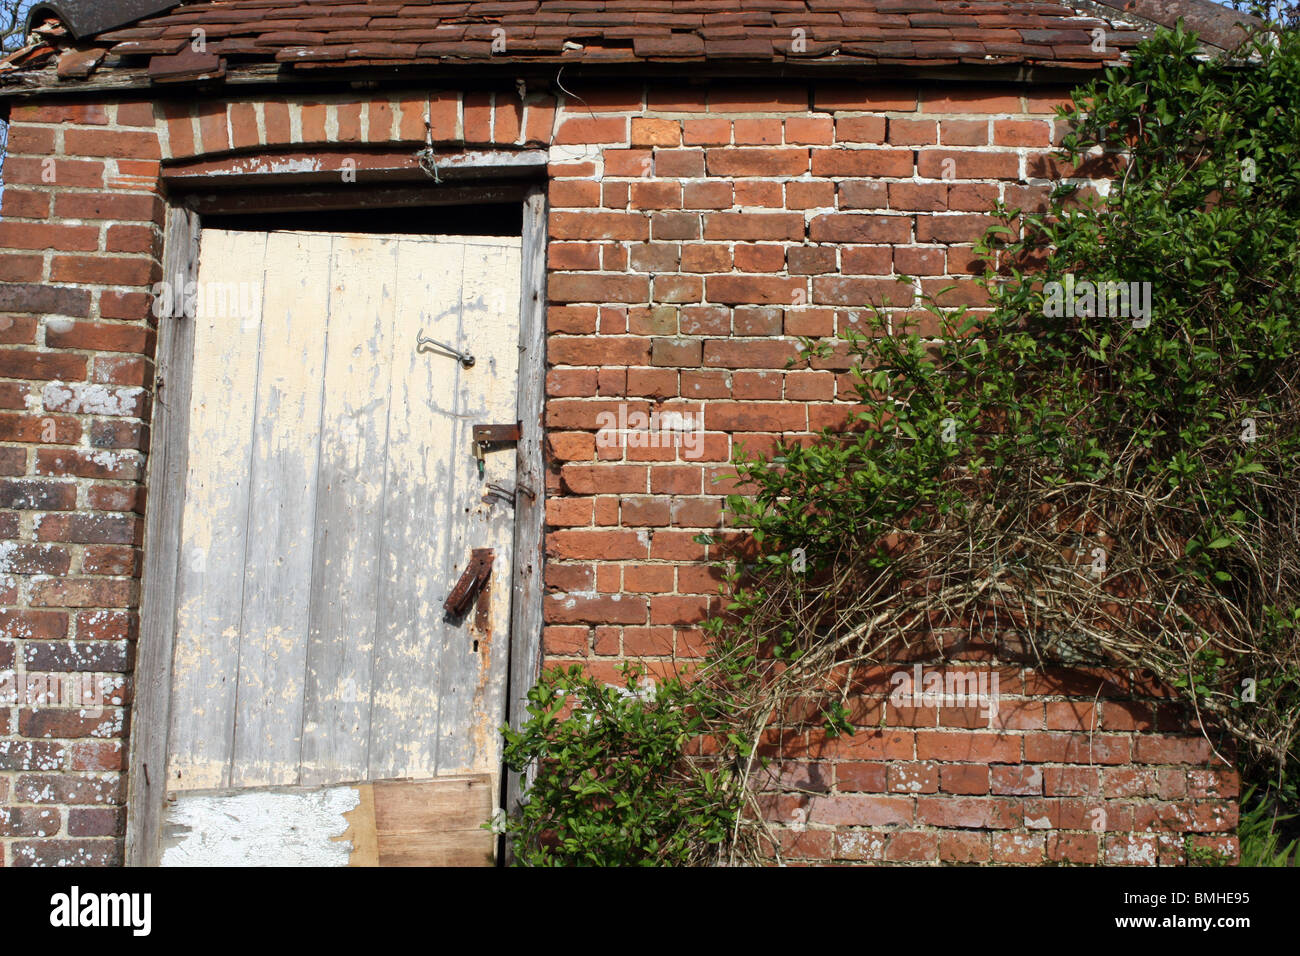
x=967, y=164
x=48, y=171
x=97, y=822
x=15, y=363
x=859, y=227
x=25, y=204
x=868, y=811
x=243, y=125
x=539, y=120
x=127, y=208
x=862, y=162
x=969, y=812
x=80, y=114
x=81, y=592
x=21, y=268
x=90, y=528
x=598, y=288
x=95, y=755
x=706, y=132
x=66, y=853
x=100, y=625
x=1152, y=749
x=33, y=625
x=959, y=132
x=967, y=746
x=1007, y=132
x=1077, y=748
x=753, y=225
x=590, y=226
x=602, y=609
x=104, y=270
x=758, y=289
x=1020, y=848
x=960, y=846
x=860, y=129
x=125, y=145
x=756, y=162
x=809, y=130
x=666, y=609
x=25, y=139
x=913, y=847
x=586, y=129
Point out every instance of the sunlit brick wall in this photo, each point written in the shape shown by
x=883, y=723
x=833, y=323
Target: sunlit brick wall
x=695, y=232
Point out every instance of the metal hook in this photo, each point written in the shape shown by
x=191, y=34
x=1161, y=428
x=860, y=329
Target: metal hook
x=466, y=359
x=509, y=494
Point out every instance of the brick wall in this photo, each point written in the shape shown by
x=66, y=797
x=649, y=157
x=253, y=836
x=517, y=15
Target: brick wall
x=1070, y=766
x=694, y=233
x=79, y=251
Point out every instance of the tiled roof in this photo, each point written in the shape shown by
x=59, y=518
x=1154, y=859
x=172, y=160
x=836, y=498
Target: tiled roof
x=357, y=33
x=315, y=34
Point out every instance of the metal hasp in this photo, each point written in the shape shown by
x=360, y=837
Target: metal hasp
x=485, y=435
x=471, y=582
x=496, y=434
x=85, y=18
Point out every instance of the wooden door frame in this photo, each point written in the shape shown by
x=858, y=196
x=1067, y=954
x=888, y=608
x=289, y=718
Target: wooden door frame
x=168, y=454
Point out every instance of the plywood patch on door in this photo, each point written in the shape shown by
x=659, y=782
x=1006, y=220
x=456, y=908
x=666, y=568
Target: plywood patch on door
x=434, y=822
x=387, y=823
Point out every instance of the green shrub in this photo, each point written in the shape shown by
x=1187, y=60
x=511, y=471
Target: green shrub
x=614, y=784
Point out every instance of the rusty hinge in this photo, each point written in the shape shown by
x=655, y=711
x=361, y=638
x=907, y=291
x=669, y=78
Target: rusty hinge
x=471, y=582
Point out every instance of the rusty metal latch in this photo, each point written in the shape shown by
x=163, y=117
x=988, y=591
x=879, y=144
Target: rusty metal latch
x=496, y=434
x=485, y=435
x=471, y=582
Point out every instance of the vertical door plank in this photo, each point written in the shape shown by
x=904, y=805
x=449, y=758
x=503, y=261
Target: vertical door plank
x=349, y=510
x=425, y=470
x=211, y=573
x=474, y=661
x=281, y=512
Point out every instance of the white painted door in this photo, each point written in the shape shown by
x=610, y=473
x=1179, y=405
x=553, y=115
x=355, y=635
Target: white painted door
x=331, y=502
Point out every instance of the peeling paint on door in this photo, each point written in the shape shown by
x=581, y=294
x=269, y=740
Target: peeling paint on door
x=332, y=500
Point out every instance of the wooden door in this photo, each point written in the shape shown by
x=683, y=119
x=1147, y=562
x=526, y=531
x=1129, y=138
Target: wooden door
x=323, y=708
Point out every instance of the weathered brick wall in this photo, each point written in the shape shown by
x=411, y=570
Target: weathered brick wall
x=1065, y=766
x=694, y=232
x=80, y=243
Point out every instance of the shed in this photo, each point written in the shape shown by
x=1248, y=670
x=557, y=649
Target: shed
x=358, y=358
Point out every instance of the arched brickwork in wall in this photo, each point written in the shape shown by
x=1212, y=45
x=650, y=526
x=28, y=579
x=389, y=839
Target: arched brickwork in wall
x=694, y=231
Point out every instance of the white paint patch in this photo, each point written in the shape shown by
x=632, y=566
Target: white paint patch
x=89, y=398
x=259, y=828
x=293, y=166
